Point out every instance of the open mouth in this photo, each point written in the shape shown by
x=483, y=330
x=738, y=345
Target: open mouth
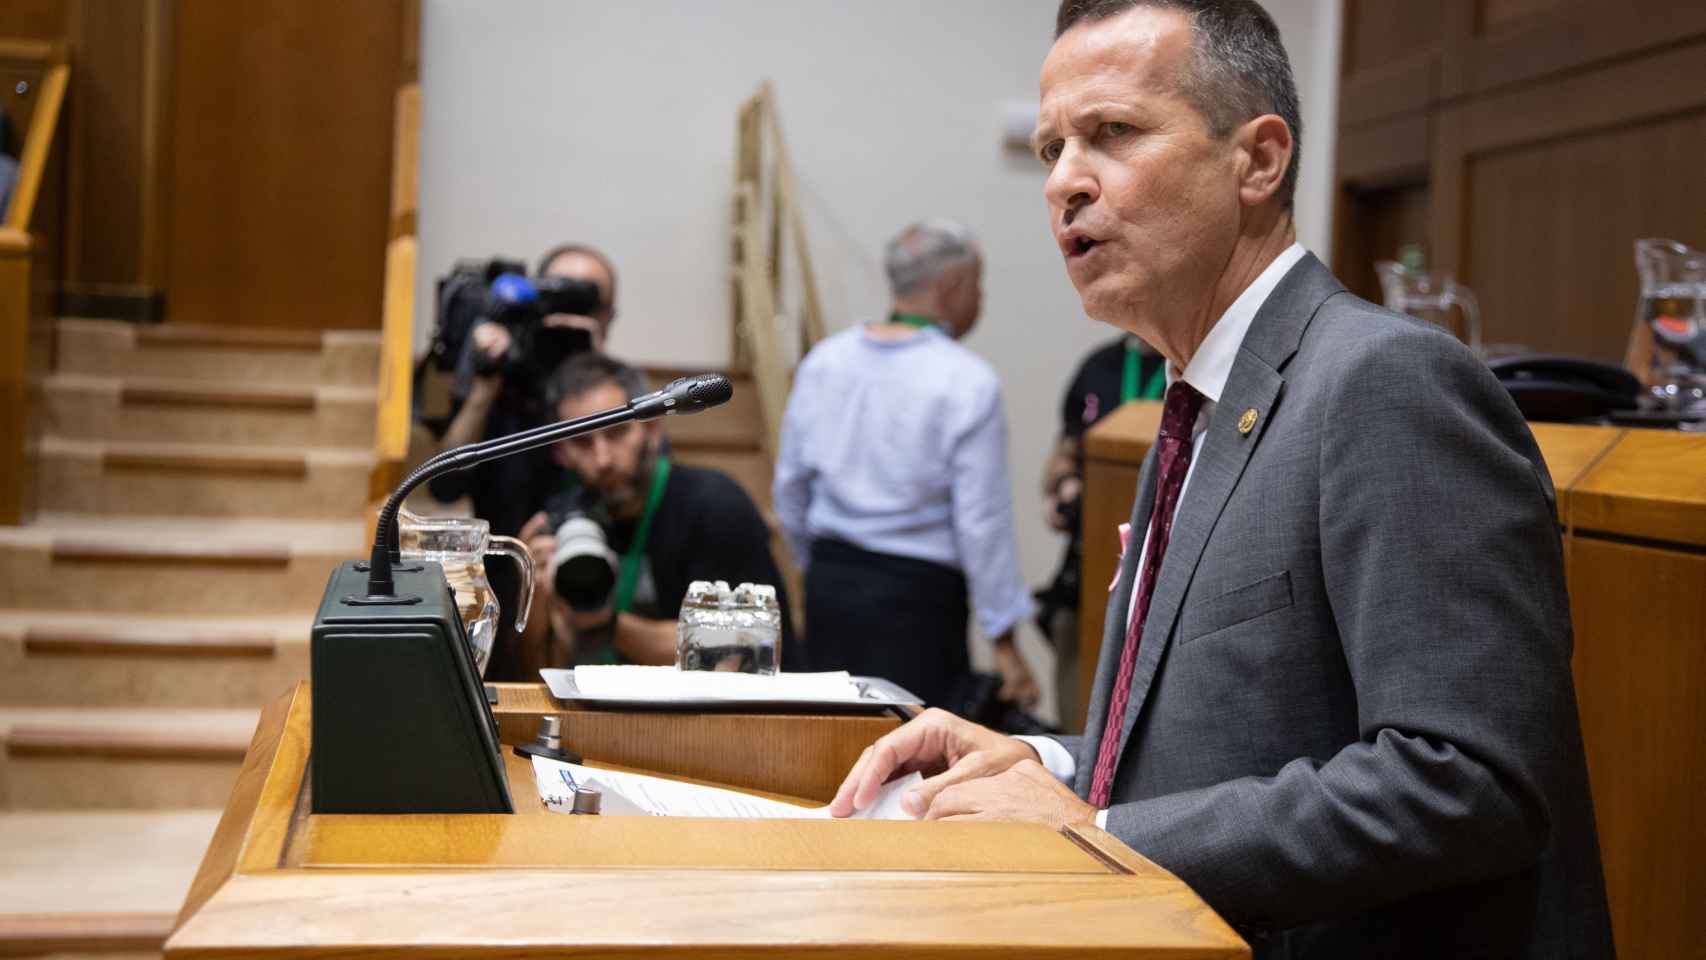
x=1081, y=246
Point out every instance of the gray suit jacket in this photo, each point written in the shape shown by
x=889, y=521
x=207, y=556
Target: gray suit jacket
x=1352, y=728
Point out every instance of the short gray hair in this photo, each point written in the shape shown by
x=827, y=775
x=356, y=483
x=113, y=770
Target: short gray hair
x=922, y=251
x=1240, y=70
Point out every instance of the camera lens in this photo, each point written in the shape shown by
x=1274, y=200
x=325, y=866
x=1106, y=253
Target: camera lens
x=583, y=568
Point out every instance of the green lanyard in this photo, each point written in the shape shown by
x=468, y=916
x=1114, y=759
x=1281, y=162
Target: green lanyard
x=1128, y=381
x=912, y=320
x=630, y=577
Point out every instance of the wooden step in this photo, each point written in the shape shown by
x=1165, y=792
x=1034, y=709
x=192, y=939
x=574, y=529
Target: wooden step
x=180, y=567
x=105, y=884
x=58, y=659
x=82, y=407
x=117, y=349
x=67, y=758
x=202, y=479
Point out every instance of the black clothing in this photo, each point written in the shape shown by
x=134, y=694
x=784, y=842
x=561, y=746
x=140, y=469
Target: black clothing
x=1095, y=389
x=507, y=491
x=881, y=615
x=705, y=528
x=1093, y=394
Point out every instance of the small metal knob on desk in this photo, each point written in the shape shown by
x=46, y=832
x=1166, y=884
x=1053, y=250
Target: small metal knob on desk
x=588, y=801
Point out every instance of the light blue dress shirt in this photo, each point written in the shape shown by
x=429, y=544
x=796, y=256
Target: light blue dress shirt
x=900, y=447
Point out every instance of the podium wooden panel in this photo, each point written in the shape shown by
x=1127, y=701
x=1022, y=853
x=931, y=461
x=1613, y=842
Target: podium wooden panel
x=280, y=882
x=1632, y=507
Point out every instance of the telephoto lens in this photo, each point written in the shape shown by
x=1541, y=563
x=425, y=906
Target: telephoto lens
x=583, y=570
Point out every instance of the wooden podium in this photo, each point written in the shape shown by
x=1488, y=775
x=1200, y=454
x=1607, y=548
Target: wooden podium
x=281, y=882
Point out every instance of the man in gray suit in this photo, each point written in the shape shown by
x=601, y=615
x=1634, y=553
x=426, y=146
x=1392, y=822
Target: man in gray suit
x=1334, y=694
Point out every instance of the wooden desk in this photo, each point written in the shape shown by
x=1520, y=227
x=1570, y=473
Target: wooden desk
x=1632, y=507
x=279, y=881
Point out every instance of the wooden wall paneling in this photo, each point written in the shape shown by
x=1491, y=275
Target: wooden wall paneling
x=104, y=236
x=1643, y=705
x=1663, y=84
x=1378, y=32
x=281, y=159
x=157, y=58
x=33, y=19
x=1446, y=213
x=1374, y=225
x=1541, y=39
x=1385, y=151
x=1494, y=14
x=1407, y=85
x=1561, y=275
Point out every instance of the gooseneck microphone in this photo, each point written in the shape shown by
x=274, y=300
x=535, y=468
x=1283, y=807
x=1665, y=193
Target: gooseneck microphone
x=682, y=396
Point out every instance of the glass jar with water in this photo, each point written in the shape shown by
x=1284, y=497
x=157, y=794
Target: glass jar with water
x=1669, y=348
x=720, y=629
x=460, y=545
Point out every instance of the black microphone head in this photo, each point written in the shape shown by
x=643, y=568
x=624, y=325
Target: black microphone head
x=684, y=395
x=708, y=390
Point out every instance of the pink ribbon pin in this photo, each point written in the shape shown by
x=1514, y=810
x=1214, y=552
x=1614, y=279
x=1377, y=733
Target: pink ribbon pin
x=1125, y=544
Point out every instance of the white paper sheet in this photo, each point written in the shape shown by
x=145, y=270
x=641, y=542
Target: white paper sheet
x=634, y=794
x=664, y=684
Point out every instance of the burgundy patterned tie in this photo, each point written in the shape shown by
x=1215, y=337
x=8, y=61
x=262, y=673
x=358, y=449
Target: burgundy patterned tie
x=1173, y=459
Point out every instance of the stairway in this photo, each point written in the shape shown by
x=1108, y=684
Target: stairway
x=197, y=487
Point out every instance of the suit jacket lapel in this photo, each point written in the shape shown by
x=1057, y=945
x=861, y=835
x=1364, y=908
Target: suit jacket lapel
x=1254, y=384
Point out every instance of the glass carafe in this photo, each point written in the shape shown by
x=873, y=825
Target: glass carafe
x=461, y=545
x=1670, y=322
x=1429, y=296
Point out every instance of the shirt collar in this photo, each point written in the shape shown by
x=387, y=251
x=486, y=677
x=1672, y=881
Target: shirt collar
x=1212, y=363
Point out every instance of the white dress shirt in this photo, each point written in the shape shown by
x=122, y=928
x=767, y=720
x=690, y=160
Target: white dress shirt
x=1207, y=372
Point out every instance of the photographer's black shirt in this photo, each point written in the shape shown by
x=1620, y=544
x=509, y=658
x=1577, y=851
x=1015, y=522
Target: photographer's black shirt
x=706, y=528
x=507, y=491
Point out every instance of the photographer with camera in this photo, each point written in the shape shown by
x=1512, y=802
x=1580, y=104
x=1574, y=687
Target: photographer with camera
x=628, y=530
x=506, y=334
x=524, y=331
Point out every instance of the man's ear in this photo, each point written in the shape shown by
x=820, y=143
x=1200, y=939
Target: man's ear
x=558, y=457
x=654, y=435
x=1265, y=145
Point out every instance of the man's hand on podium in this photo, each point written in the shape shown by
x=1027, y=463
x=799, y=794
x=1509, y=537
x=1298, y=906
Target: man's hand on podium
x=971, y=773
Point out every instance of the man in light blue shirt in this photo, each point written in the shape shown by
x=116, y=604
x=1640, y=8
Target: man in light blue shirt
x=891, y=484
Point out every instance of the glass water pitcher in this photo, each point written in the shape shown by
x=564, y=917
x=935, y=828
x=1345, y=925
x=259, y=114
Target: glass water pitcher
x=461, y=545
x=1429, y=296
x=1672, y=312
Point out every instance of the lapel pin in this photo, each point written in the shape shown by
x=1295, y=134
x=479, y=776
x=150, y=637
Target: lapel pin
x=1247, y=422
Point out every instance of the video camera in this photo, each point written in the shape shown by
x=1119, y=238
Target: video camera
x=499, y=291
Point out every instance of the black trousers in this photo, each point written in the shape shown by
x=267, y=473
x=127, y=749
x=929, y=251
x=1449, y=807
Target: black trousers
x=881, y=615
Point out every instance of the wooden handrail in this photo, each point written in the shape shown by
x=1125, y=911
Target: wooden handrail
x=26, y=281
x=38, y=142
x=767, y=205
x=396, y=342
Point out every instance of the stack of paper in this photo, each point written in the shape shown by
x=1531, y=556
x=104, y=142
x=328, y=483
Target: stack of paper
x=635, y=794
x=665, y=684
